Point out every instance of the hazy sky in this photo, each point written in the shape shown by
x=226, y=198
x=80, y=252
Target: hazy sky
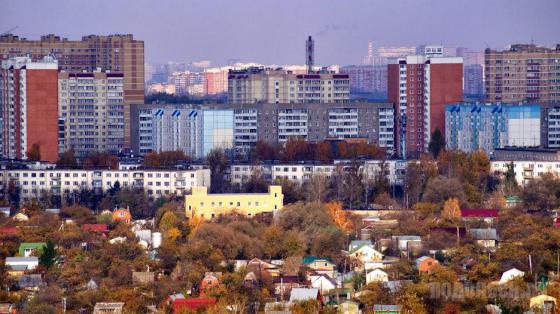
x=270, y=31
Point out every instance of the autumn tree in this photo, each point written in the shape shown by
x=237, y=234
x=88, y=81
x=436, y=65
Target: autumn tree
x=295, y=148
x=218, y=163
x=339, y=216
x=101, y=161
x=264, y=151
x=439, y=189
x=165, y=159
x=451, y=209
x=316, y=188
x=323, y=152
x=34, y=152
x=67, y=160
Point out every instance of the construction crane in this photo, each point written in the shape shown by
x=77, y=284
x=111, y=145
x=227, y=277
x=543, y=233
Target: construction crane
x=9, y=31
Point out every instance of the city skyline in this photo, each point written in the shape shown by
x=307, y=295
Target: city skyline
x=195, y=30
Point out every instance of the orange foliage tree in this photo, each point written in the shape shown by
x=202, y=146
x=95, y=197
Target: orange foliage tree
x=339, y=216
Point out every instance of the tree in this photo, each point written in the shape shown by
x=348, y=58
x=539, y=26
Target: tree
x=218, y=162
x=49, y=256
x=101, y=161
x=263, y=151
x=295, y=148
x=164, y=159
x=451, y=209
x=316, y=188
x=437, y=143
x=510, y=184
x=67, y=160
x=34, y=152
x=439, y=189
x=323, y=152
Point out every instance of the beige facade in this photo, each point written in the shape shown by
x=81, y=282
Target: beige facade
x=91, y=111
x=115, y=53
x=255, y=85
x=523, y=73
x=208, y=206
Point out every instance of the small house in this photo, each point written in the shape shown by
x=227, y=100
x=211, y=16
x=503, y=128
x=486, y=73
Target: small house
x=108, y=308
x=364, y=254
x=284, y=284
x=192, y=304
x=143, y=277
x=387, y=309
x=542, y=303
x=122, y=215
x=20, y=217
x=5, y=211
x=488, y=215
x=511, y=274
x=322, y=282
x=209, y=282
x=54, y=211
x=426, y=264
x=305, y=294
x=354, y=244
x=27, y=249
x=31, y=282
x=349, y=307
x=319, y=265
x=30, y=263
x=485, y=237
x=263, y=268
x=376, y=275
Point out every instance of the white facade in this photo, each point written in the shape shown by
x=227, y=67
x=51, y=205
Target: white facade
x=525, y=171
x=376, y=275
x=292, y=122
x=511, y=274
x=155, y=183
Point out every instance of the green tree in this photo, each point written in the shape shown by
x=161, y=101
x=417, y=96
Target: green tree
x=49, y=256
x=437, y=143
x=218, y=162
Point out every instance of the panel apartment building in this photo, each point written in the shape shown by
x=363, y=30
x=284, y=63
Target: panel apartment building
x=470, y=127
x=115, y=53
x=525, y=73
x=29, y=107
x=198, y=129
x=420, y=87
x=91, y=112
x=265, y=85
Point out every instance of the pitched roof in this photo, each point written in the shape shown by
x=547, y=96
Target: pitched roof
x=192, y=303
x=22, y=259
x=310, y=259
x=484, y=234
x=479, y=213
x=304, y=294
x=33, y=280
x=94, y=227
x=421, y=259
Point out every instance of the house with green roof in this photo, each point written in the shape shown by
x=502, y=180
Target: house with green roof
x=319, y=265
x=26, y=249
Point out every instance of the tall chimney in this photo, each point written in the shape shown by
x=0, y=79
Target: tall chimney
x=309, y=54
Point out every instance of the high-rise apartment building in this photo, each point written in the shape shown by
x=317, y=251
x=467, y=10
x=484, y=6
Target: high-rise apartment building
x=197, y=129
x=115, y=53
x=420, y=87
x=91, y=111
x=470, y=127
x=523, y=73
x=367, y=78
x=254, y=85
x=473, y=84
x=29, y=96
x=216, y=80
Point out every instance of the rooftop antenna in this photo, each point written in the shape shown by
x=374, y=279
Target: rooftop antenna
x=309, y=54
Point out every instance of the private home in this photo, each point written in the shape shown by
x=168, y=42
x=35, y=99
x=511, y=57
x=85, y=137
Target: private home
x=191, y=304
x=381, y=264
x=117, y=240
x=407, y=244
x=5, y=211
x=95, y=228
x=121, y=215
x=322, y=282
x=426, y=264
x=485, y=237
x=31, y=282
x=349, y=307
x=511, y=274
x=20, y=217
x=143, y=277
x=54, y=211
x=250, y=280
x=542, y=303
x=363, y=254
x=27, y=249
x=319, y=265
x=209, y=282
x=488, y=215
x=354, y=244
x=387, y=309
x=376, y=275
x=305, y=294
x=263, y=268
x=108, y=308
x=284, y=284
x=277, y=308
x=18, y=265
x=208, y=206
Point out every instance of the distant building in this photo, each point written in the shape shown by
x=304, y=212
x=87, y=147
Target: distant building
x=525, y=72
x=29, y=99
x=208, y=206
x=91, y=108
x=470, y=127
x=266, y=85
x=115, y=53
x=367, y=78
x=473, y=81
x=420, y=87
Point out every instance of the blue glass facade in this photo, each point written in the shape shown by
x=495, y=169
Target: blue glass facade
x=217, y=130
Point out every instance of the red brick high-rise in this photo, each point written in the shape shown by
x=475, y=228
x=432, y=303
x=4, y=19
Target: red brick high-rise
x=420, y=87
x=29, y=97
x=115, y=53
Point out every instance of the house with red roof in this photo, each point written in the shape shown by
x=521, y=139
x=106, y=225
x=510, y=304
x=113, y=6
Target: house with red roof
x=485, y=214
x=94, y=228
x=192, y=304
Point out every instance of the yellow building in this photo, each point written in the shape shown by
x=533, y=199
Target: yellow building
x=207, y=206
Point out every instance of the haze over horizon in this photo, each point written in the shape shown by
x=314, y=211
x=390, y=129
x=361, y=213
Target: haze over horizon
x=274, y=32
